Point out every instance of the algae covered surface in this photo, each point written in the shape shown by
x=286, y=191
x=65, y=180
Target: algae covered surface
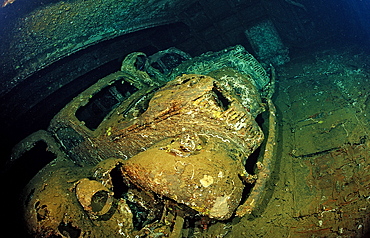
x=54, y=30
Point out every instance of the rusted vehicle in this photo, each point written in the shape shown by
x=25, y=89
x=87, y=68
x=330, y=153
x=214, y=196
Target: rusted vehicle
x=162, y=147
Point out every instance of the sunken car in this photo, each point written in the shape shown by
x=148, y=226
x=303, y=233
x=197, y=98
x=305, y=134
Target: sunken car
x=166, y=146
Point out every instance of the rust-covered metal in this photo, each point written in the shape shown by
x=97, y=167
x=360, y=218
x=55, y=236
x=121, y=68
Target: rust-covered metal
x=144, y=153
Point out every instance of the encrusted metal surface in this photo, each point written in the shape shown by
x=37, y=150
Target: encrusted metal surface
x=160, y=156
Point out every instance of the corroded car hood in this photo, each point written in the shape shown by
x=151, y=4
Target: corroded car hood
x=55, y=30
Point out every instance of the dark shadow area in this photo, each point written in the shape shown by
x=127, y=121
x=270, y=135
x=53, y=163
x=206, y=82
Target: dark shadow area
x=18, y=174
